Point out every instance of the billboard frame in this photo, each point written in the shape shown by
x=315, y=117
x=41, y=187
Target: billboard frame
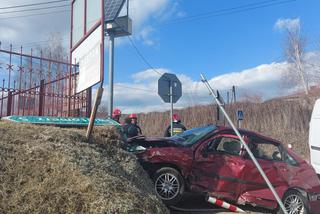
x=86, y=34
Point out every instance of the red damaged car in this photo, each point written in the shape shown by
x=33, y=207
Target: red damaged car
x=211, y=160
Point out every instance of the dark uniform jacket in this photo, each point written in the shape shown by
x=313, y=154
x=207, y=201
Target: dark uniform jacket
x=132, y=130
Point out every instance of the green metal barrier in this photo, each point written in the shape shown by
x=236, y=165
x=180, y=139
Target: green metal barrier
x=60, y=121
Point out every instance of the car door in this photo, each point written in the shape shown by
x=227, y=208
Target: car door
x=254, y=189
x=218, y=165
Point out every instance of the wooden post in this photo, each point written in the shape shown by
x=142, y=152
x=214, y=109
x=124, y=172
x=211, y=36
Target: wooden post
x=89, y=102
x=94, y=112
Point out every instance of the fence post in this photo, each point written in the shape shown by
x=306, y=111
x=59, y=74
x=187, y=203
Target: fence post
x=41, y=97
x=9, y=103
x=89, y=102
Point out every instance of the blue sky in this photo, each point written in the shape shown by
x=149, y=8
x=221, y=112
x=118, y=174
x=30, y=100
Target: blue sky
x=218, y=45
x=243, y=48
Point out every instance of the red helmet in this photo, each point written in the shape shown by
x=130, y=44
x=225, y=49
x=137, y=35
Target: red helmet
x=175, y=117
x=133, y=116
x=116, y=112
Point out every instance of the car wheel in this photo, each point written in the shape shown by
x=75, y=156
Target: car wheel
x=169, y=185
x=295, y=203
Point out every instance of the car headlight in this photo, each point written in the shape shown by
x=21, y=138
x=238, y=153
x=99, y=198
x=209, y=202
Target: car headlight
x=139, y=149
x=314, y=196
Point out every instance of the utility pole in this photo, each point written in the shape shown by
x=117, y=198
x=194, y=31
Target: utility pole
x=228, y=97
x=111, y=72
x=234, y=94
x=218, y=109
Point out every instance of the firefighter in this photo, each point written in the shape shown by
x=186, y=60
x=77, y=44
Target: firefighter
x=178, y=127
x=132, y=129
x=116, y=114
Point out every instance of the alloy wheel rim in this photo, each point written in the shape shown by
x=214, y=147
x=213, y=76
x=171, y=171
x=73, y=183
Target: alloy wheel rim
x=294, y=205
x=167, y=186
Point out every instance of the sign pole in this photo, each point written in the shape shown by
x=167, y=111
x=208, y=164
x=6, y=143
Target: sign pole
x=100, y=89
x=170, y=90
x=256, y=163
x=111, y=71
x=171, y=109
x=239, y=118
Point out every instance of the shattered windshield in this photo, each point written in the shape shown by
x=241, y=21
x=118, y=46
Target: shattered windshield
x=192, y=136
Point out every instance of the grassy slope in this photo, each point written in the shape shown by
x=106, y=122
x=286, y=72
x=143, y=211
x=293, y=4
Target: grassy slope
x=52, y=170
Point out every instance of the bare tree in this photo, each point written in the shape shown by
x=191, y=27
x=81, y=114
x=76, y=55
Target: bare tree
x=54, y=48
x=294, y=52
x=102, y=111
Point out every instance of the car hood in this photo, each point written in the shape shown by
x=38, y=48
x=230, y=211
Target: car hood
x=151, y=142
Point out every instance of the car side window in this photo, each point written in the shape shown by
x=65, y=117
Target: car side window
x=265, y=150
x=229, y=145
x=290, y=160
x=211, y=147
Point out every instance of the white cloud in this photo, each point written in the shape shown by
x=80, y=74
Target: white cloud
x=146, y=36
x=142, y=11
x=265, y=80
x=30, y=30
x=149, y=75
x=141, y=96
x=290, y=24
x=9, y=32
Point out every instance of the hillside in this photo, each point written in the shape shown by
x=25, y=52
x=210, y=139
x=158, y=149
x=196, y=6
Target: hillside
x=284, y=119
x=52, y=170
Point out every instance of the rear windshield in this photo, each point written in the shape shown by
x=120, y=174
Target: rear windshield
x=192, y=136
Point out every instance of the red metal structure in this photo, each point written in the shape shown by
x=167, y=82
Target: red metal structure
x=35, y=85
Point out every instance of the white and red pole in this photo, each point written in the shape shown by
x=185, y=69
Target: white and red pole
x=224, y=204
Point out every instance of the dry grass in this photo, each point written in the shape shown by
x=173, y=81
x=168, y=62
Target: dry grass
x=52, y=170
x=285, y=120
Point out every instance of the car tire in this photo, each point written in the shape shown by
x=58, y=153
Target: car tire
x=295, y=202
x=169, y=185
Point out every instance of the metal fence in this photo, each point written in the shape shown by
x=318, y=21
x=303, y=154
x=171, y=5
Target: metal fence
x=35, y=85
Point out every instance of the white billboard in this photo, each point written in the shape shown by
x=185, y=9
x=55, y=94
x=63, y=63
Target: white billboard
x=88, y=56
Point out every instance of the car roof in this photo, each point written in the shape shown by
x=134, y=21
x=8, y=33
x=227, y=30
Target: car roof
x=249, y=133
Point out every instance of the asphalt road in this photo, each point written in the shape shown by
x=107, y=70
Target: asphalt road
x=197, y=204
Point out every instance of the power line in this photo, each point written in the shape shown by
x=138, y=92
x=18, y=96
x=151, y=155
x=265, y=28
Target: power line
x=35, y=9
x=44, y=41
x=36, y=14
x=30, y=45
x=221, y=12
x=142, y=57
x=34, y=4
x=229, y=11
x=142, y=89
x=135, y=88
